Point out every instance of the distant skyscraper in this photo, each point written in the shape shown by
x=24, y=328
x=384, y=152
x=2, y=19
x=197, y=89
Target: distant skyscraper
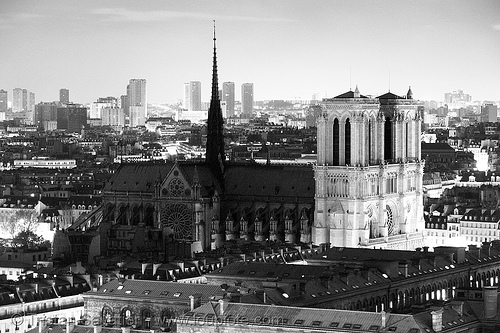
x=489, y=113
x=17, y=100
x=3, y=101
x=247, y=100
x=24, y=101
x=192, y=96
x=102, y=102
x=457, y=96
x=136, y=91
x=228, y=97
x=45, y=115
x=124, y=104
x=72, y=117
x=113, y=116
x=64, y=96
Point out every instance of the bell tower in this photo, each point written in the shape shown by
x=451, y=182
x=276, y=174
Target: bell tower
x=368, y=174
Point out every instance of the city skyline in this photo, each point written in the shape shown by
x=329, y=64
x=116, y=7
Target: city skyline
x=289, y=49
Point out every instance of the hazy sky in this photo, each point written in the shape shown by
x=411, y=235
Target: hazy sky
x=288, y=49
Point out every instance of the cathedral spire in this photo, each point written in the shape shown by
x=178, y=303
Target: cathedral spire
x=215, y=156
x=215, y=83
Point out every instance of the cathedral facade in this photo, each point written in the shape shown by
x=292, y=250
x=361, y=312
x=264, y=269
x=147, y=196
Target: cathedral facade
x=368, y=174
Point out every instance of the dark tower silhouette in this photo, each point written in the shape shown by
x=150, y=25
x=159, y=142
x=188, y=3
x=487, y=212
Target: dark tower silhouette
x=215, y=156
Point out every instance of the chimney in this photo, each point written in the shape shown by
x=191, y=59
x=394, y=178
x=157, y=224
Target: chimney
x=97, y=329
x=125, y=329
x=100, y=279
x=41, y=324
x=432, y=261
x=426, y=250
x=416, y=262
x=384, y=318
x=194, y=301
x=70, y=326
x=403, y=268
x=437, y=320
x=155, y=267
x=485, y=248
x=490, y=295
x=473, y=249
x=37, y=288
x=458, y=307
x=222, y=306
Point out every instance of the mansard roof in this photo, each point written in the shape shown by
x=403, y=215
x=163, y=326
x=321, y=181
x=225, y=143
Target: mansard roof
x=270, y=180
x=147, y=289
x=299, y=318
x=265, y=271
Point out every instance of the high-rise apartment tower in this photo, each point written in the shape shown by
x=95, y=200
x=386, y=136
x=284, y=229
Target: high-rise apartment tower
x=247, y=100
x=228, y=97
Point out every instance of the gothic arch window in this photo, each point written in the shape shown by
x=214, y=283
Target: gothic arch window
x=149, y=216
x=107, y=316
x=369, y=145
x=126, y=317
x=389, y=221
x=336, y=142
x=388, y=139
x=406, y=140
x=347, y=144
x=146, y=319
x=167, y=317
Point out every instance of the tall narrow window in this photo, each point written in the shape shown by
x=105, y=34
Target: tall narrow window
x=406, y=148
x=336, y=142
x=370, y=142
x=347, y=145
x=388, y=139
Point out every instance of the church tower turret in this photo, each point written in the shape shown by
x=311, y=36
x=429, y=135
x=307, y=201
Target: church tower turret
x=215, y=156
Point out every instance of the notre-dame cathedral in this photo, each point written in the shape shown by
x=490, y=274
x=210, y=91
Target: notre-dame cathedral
x=364, y=191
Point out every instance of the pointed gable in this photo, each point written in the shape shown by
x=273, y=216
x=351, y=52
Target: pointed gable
x=350, y=94
x=184, y=176
x=389, y=95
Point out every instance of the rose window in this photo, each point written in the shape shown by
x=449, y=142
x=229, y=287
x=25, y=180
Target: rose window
x=178, y=217
x=176, y=187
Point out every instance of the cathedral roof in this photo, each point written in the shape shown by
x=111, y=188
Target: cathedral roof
x=270, y=180
x=142, y=177
x=137, y=177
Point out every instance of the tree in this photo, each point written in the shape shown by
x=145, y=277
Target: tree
x=22, y=220
x=28, y=240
